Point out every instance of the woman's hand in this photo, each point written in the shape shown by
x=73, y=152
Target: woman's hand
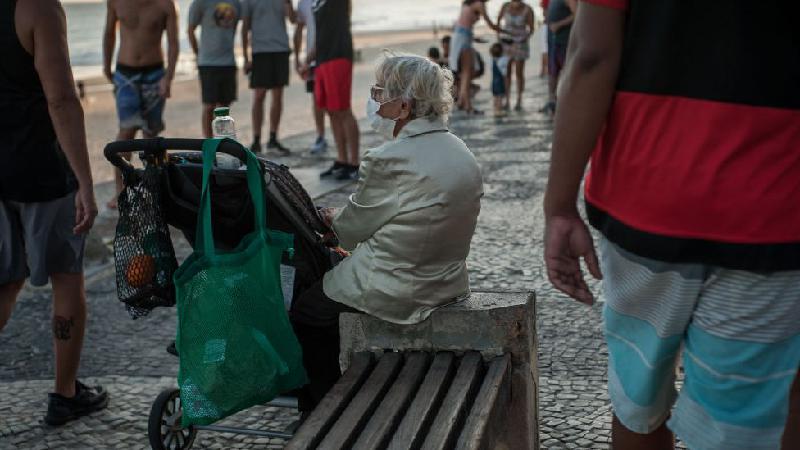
x=327, y=215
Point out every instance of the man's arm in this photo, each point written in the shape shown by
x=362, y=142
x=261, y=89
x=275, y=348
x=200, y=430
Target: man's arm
x=247, y=22
x=43, y=28
x=173, y=47
x=195, y=16
x=297, y=40
x=585, y=95
x=289, y=11
x=311, y=52
x=109, y=39
x=573, y=6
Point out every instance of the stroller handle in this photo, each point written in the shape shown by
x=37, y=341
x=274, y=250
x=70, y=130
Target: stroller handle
x=157, y=146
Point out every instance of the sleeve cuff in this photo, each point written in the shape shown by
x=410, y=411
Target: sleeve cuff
x=616, y=4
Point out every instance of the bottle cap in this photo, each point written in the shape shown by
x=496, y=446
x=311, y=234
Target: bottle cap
x=222, y=111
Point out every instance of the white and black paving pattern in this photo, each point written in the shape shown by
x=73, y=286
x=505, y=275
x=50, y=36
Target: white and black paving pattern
x=129, y=358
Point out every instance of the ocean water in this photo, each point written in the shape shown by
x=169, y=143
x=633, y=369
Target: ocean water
x=86, y=20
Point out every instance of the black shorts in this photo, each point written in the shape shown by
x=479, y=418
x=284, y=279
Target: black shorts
x=270, y=70
x=218, y=84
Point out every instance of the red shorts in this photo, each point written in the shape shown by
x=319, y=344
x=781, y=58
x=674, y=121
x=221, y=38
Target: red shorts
x=334, y=84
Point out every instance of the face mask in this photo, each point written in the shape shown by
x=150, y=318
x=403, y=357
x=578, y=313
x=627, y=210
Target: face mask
x=381, y=125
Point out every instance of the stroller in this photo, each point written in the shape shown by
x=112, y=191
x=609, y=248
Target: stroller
x=172, y=180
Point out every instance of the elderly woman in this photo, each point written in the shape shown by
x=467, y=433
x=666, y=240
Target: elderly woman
x=409, y=224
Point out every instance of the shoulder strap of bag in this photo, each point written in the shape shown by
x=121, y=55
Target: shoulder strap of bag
x=205, y=236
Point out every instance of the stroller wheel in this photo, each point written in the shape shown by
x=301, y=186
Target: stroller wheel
x=164, y=425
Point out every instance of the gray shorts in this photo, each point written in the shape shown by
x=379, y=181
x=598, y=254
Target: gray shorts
x=36, y=240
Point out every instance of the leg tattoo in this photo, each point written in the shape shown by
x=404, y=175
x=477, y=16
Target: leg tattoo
x=62, y=327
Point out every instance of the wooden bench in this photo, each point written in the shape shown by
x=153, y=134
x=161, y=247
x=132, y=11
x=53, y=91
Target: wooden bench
x=412, y=400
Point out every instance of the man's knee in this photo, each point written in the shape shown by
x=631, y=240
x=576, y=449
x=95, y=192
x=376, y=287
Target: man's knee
x=69, y=286
x=259, y=94
x=10, y=290
x=337, y=116
x=126, y=133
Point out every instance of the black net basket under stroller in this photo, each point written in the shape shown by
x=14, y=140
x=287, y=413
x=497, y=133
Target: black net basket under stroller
x=167, y=192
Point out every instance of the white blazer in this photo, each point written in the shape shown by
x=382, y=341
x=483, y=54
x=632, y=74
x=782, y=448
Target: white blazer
x=410, y=222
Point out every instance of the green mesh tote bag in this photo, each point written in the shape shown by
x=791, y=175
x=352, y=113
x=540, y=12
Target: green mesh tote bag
x=237, y=348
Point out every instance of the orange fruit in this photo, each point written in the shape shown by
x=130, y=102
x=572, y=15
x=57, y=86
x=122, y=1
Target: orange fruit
x=141, y=270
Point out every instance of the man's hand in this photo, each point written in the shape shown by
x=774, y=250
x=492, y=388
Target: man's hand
x=554, y=27
x=108, y=74
x=302, y=70
x=566, y=240
x=248, y=67
x=85, y=209
x=164, y=87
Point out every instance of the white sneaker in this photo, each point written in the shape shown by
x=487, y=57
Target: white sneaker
x=320, y=146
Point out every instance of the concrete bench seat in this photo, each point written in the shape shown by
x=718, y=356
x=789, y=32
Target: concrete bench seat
x=465, y=378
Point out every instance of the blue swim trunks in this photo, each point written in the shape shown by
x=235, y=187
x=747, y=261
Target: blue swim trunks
x=139, y=103
x=735, y=333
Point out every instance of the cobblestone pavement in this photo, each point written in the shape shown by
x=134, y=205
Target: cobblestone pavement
x=128, y=356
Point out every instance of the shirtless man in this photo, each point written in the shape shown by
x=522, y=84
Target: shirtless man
x=141, y=84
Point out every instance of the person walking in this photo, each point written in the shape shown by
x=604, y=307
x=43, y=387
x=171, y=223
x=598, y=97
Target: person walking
x=47, y=200
x=333, y=54
x=141, y=84
x=560, y=15
x=265, y=22
x=518, y=21
x=462, y=55
x=543, y=31
x=305, y=21
x=216, y=62
x=693, y=189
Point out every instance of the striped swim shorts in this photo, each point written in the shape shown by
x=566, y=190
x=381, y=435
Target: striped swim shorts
x=737, y=334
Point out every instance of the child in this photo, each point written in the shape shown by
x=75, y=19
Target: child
x=433, y=55
x=499, y=71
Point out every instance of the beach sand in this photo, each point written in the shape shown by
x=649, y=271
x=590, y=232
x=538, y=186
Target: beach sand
x=183, y=109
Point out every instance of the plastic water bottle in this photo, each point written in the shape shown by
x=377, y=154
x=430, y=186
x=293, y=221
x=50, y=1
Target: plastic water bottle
x=224, y=126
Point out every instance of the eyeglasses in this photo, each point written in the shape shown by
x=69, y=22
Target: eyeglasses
x=377, y=94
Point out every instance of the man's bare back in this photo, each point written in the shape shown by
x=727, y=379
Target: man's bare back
x=142, y=24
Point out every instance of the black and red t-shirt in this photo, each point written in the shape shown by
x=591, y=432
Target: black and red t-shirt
x=699, y=160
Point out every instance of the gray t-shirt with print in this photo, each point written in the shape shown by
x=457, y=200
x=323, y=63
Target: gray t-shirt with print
x=217, y=20
x=268, y=25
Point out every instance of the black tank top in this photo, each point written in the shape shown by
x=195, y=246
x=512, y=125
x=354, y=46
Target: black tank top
x=32, y=166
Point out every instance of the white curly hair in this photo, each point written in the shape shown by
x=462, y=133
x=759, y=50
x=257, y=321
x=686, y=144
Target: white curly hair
x=424, y=83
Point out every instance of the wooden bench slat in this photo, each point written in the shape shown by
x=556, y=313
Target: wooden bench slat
x=313, y=430
x=490, y=407
x=416, y=422
x=390, y=412
x=447, y=424
x=355, y=416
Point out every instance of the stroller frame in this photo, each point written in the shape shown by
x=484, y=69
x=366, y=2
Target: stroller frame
x=164, y=421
